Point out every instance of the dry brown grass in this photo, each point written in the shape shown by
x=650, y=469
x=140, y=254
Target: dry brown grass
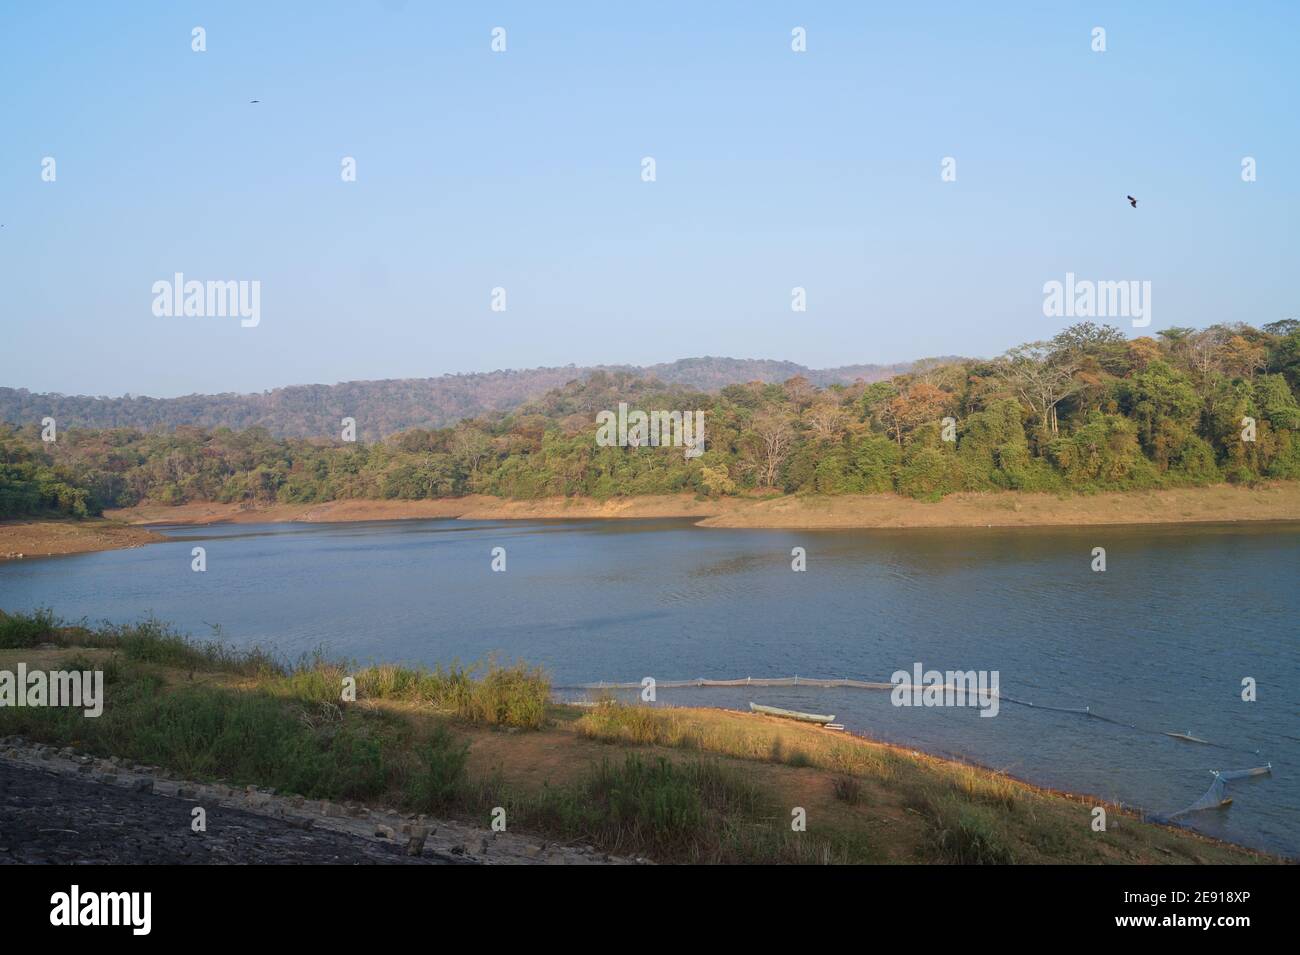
x=911, y=806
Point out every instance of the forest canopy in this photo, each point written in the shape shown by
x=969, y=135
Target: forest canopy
x=1088, y=410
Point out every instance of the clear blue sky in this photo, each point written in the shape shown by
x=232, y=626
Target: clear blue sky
x=522, y=170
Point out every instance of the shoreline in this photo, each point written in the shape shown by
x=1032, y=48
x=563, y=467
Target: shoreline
x=128, y=527
x=21, y=539
x=1214, y=504
x=901, y=797
x=1220, y=503
x=374, y=826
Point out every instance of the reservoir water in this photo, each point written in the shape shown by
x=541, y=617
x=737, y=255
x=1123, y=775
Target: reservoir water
x=1160, y=642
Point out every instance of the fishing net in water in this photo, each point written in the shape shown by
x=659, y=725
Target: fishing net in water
x=1217, y=793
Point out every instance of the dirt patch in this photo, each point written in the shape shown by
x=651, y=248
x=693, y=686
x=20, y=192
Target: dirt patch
x=22, y=539
x=475, y=507
x=1223, y=503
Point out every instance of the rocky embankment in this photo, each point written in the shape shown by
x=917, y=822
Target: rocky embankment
x=61, y=806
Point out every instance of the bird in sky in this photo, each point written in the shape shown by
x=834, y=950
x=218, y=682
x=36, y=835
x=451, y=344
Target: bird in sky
x=1131, y=201
x=251, y=101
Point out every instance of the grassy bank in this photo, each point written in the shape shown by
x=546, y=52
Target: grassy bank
x=670, y=784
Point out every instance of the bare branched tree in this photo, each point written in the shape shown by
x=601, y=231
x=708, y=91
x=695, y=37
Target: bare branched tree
x=1205, y=352
x=767, y=446
x=826, y=419
x=1042, y=376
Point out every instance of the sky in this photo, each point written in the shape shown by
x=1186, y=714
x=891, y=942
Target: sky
x=522, y=170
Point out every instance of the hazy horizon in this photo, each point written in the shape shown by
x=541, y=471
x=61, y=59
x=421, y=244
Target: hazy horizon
x=522, y=170
x=477, y=372
x=489, y=370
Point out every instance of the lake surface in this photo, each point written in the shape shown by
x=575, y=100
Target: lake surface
x=1161, y=640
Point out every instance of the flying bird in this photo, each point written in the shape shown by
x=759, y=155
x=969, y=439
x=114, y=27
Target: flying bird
x=251, y=101
x=1131, y=201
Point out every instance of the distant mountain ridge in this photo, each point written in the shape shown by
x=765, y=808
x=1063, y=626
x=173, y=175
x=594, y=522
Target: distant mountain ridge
x=388, y=406
x=710, y=374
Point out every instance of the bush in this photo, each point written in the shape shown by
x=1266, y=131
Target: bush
x=21, y=630
x=848, y=789
x=439, y=783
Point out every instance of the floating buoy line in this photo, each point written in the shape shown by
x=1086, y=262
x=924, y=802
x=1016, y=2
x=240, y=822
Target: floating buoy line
x=1214, y=798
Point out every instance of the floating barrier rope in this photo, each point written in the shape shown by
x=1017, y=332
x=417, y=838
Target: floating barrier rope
x=747, y=681
x=785, y=681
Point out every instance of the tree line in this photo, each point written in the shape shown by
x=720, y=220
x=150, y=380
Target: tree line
x=392, y=405
x=1088, y=410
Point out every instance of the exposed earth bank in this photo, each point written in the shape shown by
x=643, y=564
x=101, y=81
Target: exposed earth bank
x=22, y=539
x=127, y=527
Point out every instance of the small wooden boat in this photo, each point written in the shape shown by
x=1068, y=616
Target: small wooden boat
x=792, y=714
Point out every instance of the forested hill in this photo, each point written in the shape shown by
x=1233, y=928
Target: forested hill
x=393, y=405
x=1089, y=410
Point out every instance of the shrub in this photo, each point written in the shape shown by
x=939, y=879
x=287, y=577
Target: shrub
x=21, y=630
x=439, y=782
x=848, y=789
